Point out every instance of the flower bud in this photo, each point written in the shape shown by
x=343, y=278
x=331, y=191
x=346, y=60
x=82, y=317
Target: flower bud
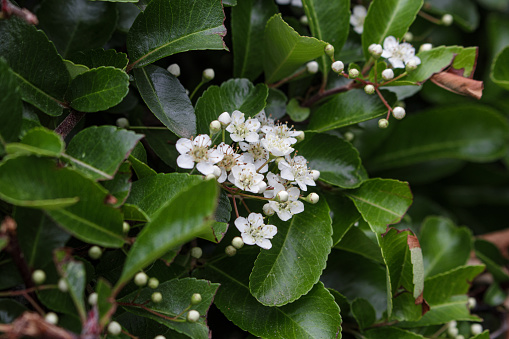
x=301, y=136
x=51, y=318
x=471, y=303
x=39, y=276
x=196, y=299
x=383, y=123
x=329, y=50
x=230, y=250
x=215, y=127
x=122, y=123
x=408, y=37
x=452, y=331
x=196, y=252
x=282, y=196
x=388, y=74
x=375, y=50
x=398, y=112
x=411, y=65
x=369, y=89
x=95, y=252
x=125, y=227
x=353, y=73
x=312, y=67
x=225, y=119
x=425, y=47
x=153, y=283
x=315, y=174
x=349, y=136
x=262, y=187
x=140, y=279
x=114, y=328
x=156, y=297
x=208, y=74
x=237, y=242
x=304, y=20
x=210, y=176
x=92, y=299
x=476, y=329
x=447, y=20
x=459, y=336
x=193, y=316
x=159, y=337
x=267, y=210
x=313, y=198
x=452, y=323
x=338, y=66
x=174, y=69
x=216, y=171
x=62, y=285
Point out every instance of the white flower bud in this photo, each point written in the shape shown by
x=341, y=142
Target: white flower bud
x=196, y=299
x=160, y=337
x=476, y=329
x=193, y=316
x=388, y=74
x=349, y=136
x=51, y=318
x=210, y=176
x=208, y=74
x=312, y=67
x=174, y=69
x=122, y=123
x=95, y=252
x=398, y=112
x=452, y=323
x=411, y=65
x=408, y=37
x=425, y=47
x=459, y=336
x=329, y=50
x=301, y=136
x=304, y=20
x=62, y=285
x=353, y=73
x=267, y=210
x=92, y=299
x=225, y=119
x=196, y=252
x=282, y=196
x=215, y=127
x=140, y=279
x=237, y=242
x=447, y=20
x=262, y=187
x=471, y=303
x=153, y=283
x=383, y=123
x=39, y=276
x=369, y=89
x=216, y=171
x=338, y=66
x=230, y=250
x=114, y=328
x=375, y=50
x=125, y=227
x=452, y=331
x=313, y=198
x=315, y=174
x=156, y=297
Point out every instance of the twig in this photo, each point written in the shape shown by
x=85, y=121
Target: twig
x=70, y=121
x=320, y=95
x=288, y=78
x=157, y=313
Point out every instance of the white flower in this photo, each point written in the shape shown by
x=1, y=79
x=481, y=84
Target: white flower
x=257, y=154
x=254, y=231
x=357, y=18
x=197, y=151
x=296, y=169
x=241, y=129
x=398, y=54
x=285, y=210
x=282, y=131
x=246, y=178
x=230, y=159
x=276, y=146
x=264, y=121
x=276, y=185
x=387, y=74
x=338, y=66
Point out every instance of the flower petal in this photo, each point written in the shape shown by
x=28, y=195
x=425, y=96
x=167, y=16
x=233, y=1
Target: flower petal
x=185, y=161
x=184, y=145
x=205, y=167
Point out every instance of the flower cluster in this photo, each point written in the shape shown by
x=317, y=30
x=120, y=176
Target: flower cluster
x=399, y=54
x=260, y=162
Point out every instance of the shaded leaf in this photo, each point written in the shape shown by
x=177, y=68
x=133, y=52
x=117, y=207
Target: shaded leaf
x=391, y=332
x=356, y=241
x=39, y=141
x=276, y=104
x=363, y=312
x=296, y=112
x=500, y=69
x=11, y=107
x=490, y=255
x=465, y=12
x=120, y=185
x=73, y=273
x=103, y=290
x=10, y=310
x=343, y=213
x=95, y=58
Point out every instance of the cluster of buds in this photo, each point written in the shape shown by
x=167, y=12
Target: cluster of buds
x=259, y=144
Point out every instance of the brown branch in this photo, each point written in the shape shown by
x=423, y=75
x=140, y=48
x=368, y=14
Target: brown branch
x=321, y=95
x=70, y=121
x=32, y=325
x=8, y=10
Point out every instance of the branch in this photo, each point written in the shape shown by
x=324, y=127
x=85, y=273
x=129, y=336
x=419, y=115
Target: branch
x=321, y=95
x=70, y=121
x=32, y=325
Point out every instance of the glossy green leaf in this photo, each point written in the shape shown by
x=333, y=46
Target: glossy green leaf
x=484, y=335
x=388, y=17
x=286, y=50
x=465, y=59
x=103, y=290
x=39, y=141
x=98, y=89
x=157, y=32
x=444, y=246
x=349, y=108
x=10, y=310
x=72, y=200
x=336, y=159
x=176, y=295
x=98, y=151
x=159, y=140
x=73, y=273
x=95, y=58
x=296, y=112
x=249, y=18
x=75, y=70
x=276, y=104
x=133, y=212
x=473, y=132
x=464, y=12
x=343, y=213
x=490, y=255
x=141, y=169
x=404, y=307
x=120, y=185
x=500, y=69
x=297, y=257
x=391, y=332
x=433, y=61
x=381, y=202
x=234, y=94
x=46, y=87
x=356, y=241
x=363, y=312
x=178, y=221
x=11, y=106
x=167, y=99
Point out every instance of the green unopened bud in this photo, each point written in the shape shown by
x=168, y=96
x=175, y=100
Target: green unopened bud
x=315, y=174
x=196, y=252
x=153, y=283
x=447, y=20
x=125, y=227
x=237, y=242
x=471, y=303
x=452, y=331
x=193, y=316
x=338, y=66
x=208, y=74
x=383, y=123
x=159, y=337
x=122, y=123
x=230, y=250
x=312, y=198
x=329, y=50
x=114, y=328
x=210, y=176
x=353, y=73
x=369, y=89
x=140, y=279
x=216, y=171
x=51, y=318
x=156, y=297
x=95, y=252
x=196, y=299
x=411, y=65
x=225, y=119
x=38, y=276
x=215, y=127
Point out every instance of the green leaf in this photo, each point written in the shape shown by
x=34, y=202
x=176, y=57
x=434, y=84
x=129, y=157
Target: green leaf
x=10, y=310
x=133, y=212
x=363, y=312
x=103, y=290
x=295, y=262
x=296, y=112
x=405, y=307
x=343, y=213
x=159, y=141
x=336, y=159
x=390, y=332
x=178, y=221
x=356, y=241
x=98, y=89
x=484, y=335
x=234, y=94
x=140, y=168
x=157, y=32
x=98, y=151
x=39, y=141
x=73, y=273
x=433, y=61
x=120, y=185
x=11, y=106
x=249, y=18
x=444, y=246
x=176, y=297
x=381, y=202
x=286, y=50
x=474, y=132
x=95, y=58
x=464, y=12
x=167, y=99
x=490, y=255
x=276, y=104
x=388, y=17
x=72, y=200
x=349, y=108
x=500, y=69
x=75, y=70
x=45, y=88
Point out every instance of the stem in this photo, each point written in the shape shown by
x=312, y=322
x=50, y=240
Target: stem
x=265, y=163
x=245, y=205
x=321, y=95
x=376, y=73
x=70, y=121
x=430, y=18
x=396, y=78
x=235, y=206
x=224, y=136
x=28, y=290
x=384, y=101
x=288, y=78
x=196, y=90
x=157, y=313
